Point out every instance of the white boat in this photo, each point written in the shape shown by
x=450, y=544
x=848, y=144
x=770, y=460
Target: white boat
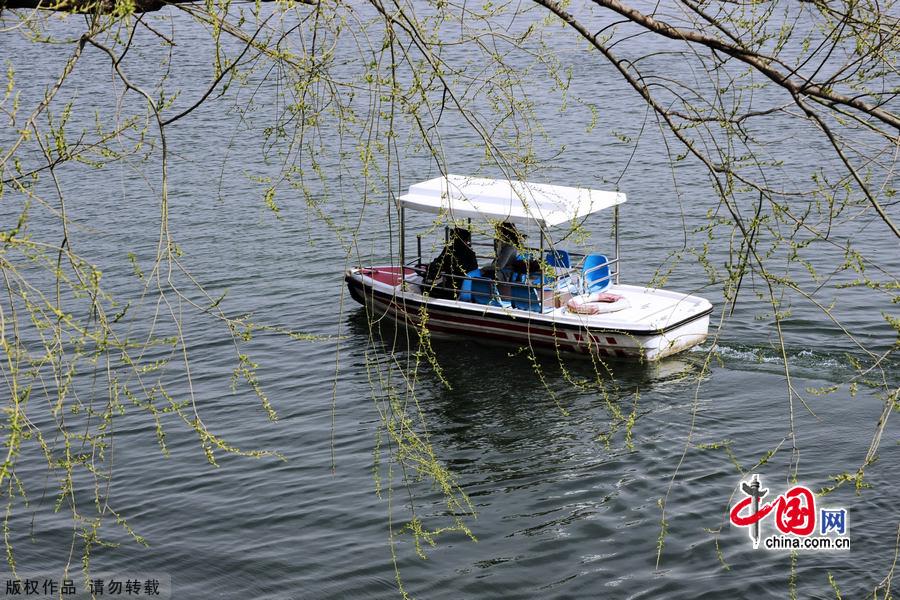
x=576, y=305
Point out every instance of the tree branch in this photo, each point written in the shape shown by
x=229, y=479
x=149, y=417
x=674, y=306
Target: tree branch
x=757, y=60
x=101, y=6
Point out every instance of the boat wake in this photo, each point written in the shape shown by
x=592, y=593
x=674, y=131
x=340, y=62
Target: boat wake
x=839, y=365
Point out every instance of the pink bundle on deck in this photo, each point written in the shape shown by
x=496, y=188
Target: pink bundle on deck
x=596, y=303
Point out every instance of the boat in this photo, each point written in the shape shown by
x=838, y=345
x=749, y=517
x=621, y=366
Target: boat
x=563, y=302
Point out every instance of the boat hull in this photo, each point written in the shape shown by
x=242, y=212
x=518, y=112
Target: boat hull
x=380, y=291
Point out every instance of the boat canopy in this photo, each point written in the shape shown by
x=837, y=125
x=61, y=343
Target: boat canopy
x=461, y=197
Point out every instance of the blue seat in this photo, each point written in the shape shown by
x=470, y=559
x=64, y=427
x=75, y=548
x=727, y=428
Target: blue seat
x=465, y=290
x=560, y=264
x=558, y=259
x=481, y=290
x=525, y=298
x=595, y=273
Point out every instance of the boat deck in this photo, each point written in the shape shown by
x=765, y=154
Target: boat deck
x=649, y=308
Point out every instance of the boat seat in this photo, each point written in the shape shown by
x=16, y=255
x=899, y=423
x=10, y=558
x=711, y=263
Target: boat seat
x=558, y=259
x=560, y=266
x=465, y=290
x=595, y=273
x=526, y=298
x=480, y=290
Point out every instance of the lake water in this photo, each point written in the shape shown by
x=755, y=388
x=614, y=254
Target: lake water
x=566, y=497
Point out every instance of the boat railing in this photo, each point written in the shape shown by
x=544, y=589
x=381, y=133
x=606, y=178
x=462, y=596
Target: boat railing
x=518, y=294
x=529, y=252
x=528, y=295
x=420, y=267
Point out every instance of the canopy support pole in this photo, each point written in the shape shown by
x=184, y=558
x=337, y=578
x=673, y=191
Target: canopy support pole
x=402, y=248
x=616, y=228
x=541, y=276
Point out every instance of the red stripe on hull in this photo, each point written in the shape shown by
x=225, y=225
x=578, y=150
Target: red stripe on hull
x=529, y=329
x=453, y=319
x=456, y=325
x=499, y=336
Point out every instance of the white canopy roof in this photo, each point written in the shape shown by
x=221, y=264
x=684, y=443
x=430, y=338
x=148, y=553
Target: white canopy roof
x=516, y=201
